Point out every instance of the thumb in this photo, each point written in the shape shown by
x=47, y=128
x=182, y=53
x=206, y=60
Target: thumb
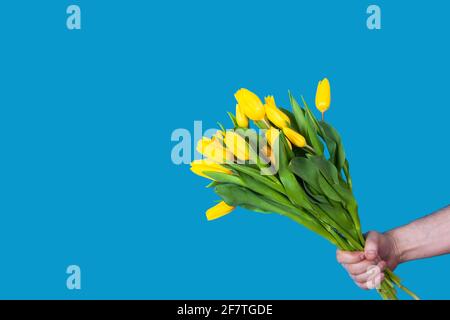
x=371, y=247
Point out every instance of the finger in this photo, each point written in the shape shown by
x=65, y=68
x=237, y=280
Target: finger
x=371, y=247
x=356, y=269
x=362, y=285
x=345, y=257
x=375, y=281
x=371, y=274
x=368, y=285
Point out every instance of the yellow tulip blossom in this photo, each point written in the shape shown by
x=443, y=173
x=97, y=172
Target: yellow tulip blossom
x=250, y=103
x=214, y=150
x=272, y=136
x=219, y=134
x=237, y=145
x=296, y=138
x=199, y=167
x=241, y=118
x=219, y=210
x=323, y=96
x=275, y=115
x=203, y=144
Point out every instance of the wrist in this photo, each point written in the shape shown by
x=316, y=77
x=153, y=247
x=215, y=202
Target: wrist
x=395, y=240
x=405, y=242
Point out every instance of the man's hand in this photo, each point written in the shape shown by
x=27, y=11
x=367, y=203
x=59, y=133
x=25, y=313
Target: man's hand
x=365, y=268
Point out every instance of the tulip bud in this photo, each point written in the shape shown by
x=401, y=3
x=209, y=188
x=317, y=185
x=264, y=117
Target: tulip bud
x=237, y=145
x=275, y=115
x=241, y=118
x=199, y=167
x=296, y=138
x=213, y=150
x=272, y=136
x=250, y=103
x=323, y=96
x=219, y=210
x=202, y=145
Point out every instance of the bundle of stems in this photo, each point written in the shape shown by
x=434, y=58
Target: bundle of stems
x=294, y=165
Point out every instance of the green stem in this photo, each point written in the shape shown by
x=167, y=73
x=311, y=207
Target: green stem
x=397, y=281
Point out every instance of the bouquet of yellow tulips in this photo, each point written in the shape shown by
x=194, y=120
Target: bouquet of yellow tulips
x=293, y=164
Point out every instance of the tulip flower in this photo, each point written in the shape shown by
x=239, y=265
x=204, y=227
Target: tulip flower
x=251, y=105
x=237, y=145
x=203, y=144
x=323, y=96
x=219, y=210
x=275, y=115
x=199, y=167
x=241, y=118
x=296, y=138
x=272, y=136
x=213, y=150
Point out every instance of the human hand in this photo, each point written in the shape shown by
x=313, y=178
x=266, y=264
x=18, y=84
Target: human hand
x=366, y=268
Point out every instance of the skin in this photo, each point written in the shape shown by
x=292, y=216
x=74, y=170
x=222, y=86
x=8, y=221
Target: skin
x=422, y=238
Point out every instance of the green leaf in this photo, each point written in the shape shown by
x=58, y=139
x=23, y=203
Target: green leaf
x=310, y=115
x=269, y=181
x=307, y=170
x=306, y=125
x=233, y=119
x=328, y=190
x=316, y=196
x=224, y=177
x=235, y=195
x=294, y=190
x=328, y=170
x=239, y=196
x=314, y=137
x=221, y=127
x=291, y=118
x=253, y=208
x=334, y=145
x=298, y=115
x=212, y=184
x=264, y=190
x=347, y=174
x=261, y=124
x=338, y=215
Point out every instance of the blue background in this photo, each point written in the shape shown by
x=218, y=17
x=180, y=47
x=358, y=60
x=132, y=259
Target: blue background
x=86, y=118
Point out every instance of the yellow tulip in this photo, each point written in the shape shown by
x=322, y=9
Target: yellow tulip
x=199, y=167
x=296, y=138
x=219, y=210
x=250, y=103
x=214, y=150
x=241, y=118
x=266, y=151
x=203, y=144
x=237, y=145
x=275, y=115
x=323, y=96
x=272, y=136
x=219, y=134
